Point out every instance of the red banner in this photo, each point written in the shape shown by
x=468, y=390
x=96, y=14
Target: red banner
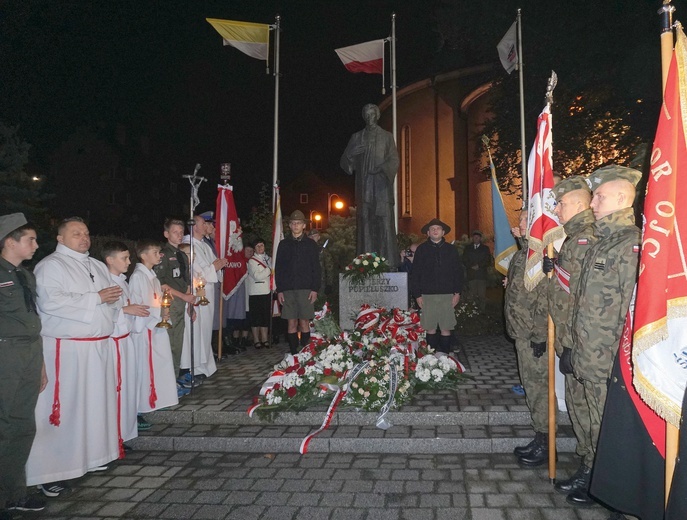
x=660, y=339
x=229, y=241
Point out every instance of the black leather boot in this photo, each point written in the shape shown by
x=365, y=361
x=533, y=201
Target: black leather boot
x=527, y=448
x=538, y=456
x=580, y=498
x=292, y=338
x=580, y=480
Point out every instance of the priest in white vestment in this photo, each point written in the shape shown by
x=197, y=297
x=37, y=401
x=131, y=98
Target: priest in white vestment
x=205, y=267
x=76, y=415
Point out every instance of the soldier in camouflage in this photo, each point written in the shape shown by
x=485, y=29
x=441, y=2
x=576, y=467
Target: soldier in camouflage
x=572, y=209
x=526, y=322
x=608, y=276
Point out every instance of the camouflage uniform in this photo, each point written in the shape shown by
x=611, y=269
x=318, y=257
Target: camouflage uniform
x=526, y=321
x=607, y=281
x=580, y=237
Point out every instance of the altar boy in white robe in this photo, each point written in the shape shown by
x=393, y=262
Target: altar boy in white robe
x=205, y=266
x=116, y=256
x=157, y=386
x=76, y=416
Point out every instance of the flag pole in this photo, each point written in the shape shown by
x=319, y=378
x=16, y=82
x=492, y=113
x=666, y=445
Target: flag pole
x=394, y=123
x=551, y=330
x=672, y=432
x=275, y=176
x=523, y=154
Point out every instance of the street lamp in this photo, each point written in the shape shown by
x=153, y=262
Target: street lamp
x=338, y=204
x=315, y=219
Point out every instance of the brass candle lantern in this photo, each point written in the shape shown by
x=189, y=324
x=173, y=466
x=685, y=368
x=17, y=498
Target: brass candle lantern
x=165, y=304
x=200, y=291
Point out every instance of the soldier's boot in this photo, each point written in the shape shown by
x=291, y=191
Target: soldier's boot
x=538, y=456
x=305, y=339
x=433, y=340
x=292, y=338
x=579, y=480
x=445, y=344
x=580, y=497
x=527, y=448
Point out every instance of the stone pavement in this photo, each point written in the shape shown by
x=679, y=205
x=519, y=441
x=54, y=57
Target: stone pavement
x=447, y=457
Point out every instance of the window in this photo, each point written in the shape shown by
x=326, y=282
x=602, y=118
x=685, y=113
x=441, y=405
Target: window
x=406, y=194
x=304, y=198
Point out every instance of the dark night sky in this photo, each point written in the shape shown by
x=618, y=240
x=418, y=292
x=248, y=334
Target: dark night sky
x=158, y=67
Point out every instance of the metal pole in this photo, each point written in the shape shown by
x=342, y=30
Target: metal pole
x=523, y=153
x=667, y=41
x=195, y=183
x=275, y=163
x=394, y=123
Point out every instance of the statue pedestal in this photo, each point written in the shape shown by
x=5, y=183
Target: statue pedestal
x=386, y=290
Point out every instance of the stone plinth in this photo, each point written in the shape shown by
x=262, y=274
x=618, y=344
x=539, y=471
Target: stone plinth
x=386, y=290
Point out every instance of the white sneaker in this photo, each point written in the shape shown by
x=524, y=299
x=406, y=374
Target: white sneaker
x=52, y=489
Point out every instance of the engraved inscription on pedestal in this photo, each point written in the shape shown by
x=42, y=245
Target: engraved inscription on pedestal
x=387, y=290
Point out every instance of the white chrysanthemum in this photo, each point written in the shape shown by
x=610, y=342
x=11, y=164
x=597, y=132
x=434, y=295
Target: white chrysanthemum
x=361, y=391
x=277, y=399
x=437, y=374
x=357, y=261
x=375, y=264
x=365, y=262
x=380, y=393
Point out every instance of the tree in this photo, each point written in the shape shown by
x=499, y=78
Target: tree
x=20, y=192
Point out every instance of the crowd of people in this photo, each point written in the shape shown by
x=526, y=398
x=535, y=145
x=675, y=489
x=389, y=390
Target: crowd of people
x=85, y=352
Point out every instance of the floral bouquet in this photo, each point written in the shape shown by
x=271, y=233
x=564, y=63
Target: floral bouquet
x=377, y=367
x=365, y=266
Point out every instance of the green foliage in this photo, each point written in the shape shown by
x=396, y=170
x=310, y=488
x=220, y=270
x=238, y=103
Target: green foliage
x=259, y=223
x=19, y=192
x=473, y=322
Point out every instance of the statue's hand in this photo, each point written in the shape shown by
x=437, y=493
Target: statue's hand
x=359, y=150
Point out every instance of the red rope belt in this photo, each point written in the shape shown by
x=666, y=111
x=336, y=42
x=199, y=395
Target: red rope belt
x=153, y=394
x=120, y=441
x=55, y=415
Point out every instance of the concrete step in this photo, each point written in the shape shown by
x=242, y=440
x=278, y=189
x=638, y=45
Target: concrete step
x=260, y=438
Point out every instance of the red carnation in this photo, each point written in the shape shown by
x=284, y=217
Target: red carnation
x=300, y=371
x=276, y=386
x=291, y=392
x=327, y=371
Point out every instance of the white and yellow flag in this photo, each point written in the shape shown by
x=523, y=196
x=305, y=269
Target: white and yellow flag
x=250, y=38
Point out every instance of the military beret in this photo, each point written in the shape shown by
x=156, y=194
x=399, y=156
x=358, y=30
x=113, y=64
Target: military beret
x=613, y=173
x=576, y=182
x=9, y=223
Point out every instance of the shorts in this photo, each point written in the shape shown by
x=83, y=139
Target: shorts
x=297, y=306
x=437, y=309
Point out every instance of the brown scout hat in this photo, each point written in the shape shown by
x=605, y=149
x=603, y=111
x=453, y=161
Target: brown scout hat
x=435, y=222
x=297, y=215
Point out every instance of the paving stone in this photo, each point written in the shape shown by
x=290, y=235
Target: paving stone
x=240, y=497
x=488, y=514
x=180, y=511
x=313, y=513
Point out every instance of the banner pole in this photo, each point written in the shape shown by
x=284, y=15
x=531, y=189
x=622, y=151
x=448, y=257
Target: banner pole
x=277, y=73
x=523, y=153
x=553, y=404
x=667, y=41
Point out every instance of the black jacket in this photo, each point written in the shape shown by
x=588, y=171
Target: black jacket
x=436, y=269
x=298, y=264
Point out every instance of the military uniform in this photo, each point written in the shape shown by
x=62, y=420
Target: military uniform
x=563, y=287
x=607, y=281
x=173, y=271
x=526, y=321
x=21, y=359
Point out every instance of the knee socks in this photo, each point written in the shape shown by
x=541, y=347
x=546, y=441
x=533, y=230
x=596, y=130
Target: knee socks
x=445, y=344
x=292, y=339
x=305, y=338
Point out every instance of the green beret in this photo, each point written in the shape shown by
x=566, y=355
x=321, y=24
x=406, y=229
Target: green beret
x=9, y=223
x=576, y=182
x=613, y=173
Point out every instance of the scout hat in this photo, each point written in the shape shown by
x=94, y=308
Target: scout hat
x=613, y=173
x=435, y=222
x=297, y=215
x=576, y=182
x=9, y=223
x=313, y=232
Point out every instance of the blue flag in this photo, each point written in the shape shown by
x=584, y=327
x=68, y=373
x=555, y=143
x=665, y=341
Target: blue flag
x=504, y=243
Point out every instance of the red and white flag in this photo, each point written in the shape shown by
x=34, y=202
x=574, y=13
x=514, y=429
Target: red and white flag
x=660, y=339
x=229, y=241
x=365, y=57
x=277, y=234
x=543, y=227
